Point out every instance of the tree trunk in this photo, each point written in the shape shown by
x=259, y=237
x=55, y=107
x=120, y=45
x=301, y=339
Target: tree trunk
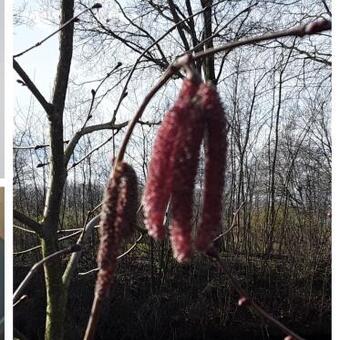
x=56, y=291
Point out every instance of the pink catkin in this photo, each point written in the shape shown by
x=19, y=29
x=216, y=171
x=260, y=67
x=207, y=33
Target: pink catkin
x=215, y=161
x=160, y=174
x=129, y=198
x=119, y=205
x=185, y=157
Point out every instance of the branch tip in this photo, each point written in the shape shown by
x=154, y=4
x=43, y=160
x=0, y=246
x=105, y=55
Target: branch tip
x=243, y=301
x=318, y=26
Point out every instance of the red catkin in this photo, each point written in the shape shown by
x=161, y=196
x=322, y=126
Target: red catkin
x=185, y=157
x=117, y=215
x=159, y=183
x=173, y=167
x=215, y=161
x=129, y=198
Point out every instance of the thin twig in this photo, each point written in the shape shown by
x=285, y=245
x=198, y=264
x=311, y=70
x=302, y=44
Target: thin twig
x=58, y=240
x=327, y=8
x=35, y=226
x=24, y=229
x=34, y=147
x=124, y=90
x=38, y=265
x=89, y=154
x=166, y=76
x=56, y=31
x=73, y=262
x=233, y=223
x=298, y=31
x=203, y=42
x=23, y=298
x=94, y=93
x=94, y=270
x=246, y=300
x=22, y=252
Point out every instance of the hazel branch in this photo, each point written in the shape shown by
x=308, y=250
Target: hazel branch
x=314, y=27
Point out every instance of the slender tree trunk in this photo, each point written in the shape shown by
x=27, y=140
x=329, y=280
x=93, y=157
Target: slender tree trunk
x=56, y=292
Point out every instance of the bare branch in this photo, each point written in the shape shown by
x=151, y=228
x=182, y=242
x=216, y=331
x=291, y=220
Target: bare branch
x=233, y=223
x=23, y=298
x=89, y=129
x=90, y=153
x=35, y=226
x=39, y=246
x=73, y=262
x=34, y=147
x=68, y=22
x=216, y=33
x=24, y=229
x=165, y=62
x=179, y=24
x=314, y=27
x=307, y=54
x=22, y=252
x=326, y=7
x=38, y=265
x=122, y=96
x=118, y=257
x=48, y=107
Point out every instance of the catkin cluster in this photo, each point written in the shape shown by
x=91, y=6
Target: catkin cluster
x=117, y=221
x=196, y=115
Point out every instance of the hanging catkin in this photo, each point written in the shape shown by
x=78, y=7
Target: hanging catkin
x=117, y=220
x=215, y=162
x=158, y=187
